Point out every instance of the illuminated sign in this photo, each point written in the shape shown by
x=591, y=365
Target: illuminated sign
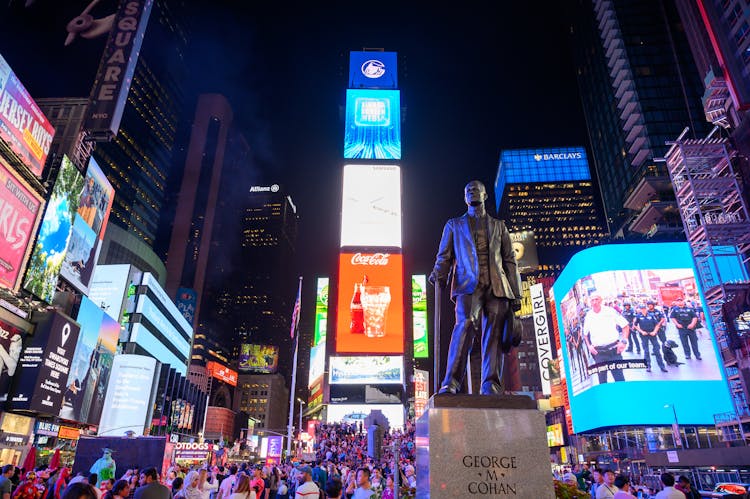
x=555, y=435
x=524, y=249
x=317, y=362
x=357, y=413
x=186, y=301
x=24, y=130
x=419, y=315
x=222, y=373
x=265, y=188
x=21, y=209
x=48, y=429
x=362, y=370
x=370, y=283
x=373, y=70
x=273, y=450
x=11, y=341
x=259, y=358
x=68, y=433
x=366, y=394
x=192, y=451
x=127, y=406
x=590, y=295
x=321, y=311
x=373, y=124
x=541, y=336
x=421, y=391
x=371, y=206
x=54, y=233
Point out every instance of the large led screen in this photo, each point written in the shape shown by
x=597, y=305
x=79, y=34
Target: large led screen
x=24, y=130
x=370, y=369
x=259, y=358
x=370, y=303
x=419, y=315
x=108, y=287
x=55, y=232
x=129, y=396
x=20, y=210
x=608, y=290
x=89, y=225
x=321, y=311
x=357, y=413
x=317, y=363
x=373, y=70
x=371, y=206
x=373, y=124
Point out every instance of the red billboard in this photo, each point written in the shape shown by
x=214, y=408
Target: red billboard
x=222, y=373
x=20, y=210
x=370, y=303
x=24, y=130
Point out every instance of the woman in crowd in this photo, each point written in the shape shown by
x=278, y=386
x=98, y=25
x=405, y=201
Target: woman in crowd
x=120, y=490
x=178, y=491
x=242, y=488
x=79, y=490
x=388, y=492
x=192, y=482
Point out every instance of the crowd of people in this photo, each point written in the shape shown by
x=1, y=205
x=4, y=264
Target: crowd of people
x=606, y=484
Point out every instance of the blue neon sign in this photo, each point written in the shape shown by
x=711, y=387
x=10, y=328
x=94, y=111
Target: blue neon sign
x=373, y=124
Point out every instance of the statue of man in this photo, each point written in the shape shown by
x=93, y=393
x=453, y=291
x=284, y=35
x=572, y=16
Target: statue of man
x=485, y=287
x=104, y=467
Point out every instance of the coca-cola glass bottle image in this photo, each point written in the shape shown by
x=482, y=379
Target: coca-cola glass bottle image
x=375, y=302
x=357, y=325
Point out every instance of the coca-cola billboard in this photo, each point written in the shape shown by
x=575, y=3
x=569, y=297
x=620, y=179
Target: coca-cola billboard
x=370, y=315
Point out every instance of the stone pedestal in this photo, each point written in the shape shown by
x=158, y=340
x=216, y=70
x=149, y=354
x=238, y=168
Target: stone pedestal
x=476, y=446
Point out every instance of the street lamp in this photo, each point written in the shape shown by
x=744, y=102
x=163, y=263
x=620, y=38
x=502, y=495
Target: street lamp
x=675, y=426
x=301, y=403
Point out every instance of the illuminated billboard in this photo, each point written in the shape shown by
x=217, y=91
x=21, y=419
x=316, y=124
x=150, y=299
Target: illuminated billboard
x=671, y=355
x=370, y=303
x=371, y=206
x=363, y=370
x=21, y=209
x=421, y=391
x=24, y=130
x=108, y=286
x=373, y=70
x=524, y=249
x=317, y=363
x=555, y=435
x=321, y=311
x=373, y=124
x=54, y=234
x=127, y=406
x=89, y=224
x=259, y=358
x=419, y=315
x=11, y=341
x=357, y=413
x=222, y=373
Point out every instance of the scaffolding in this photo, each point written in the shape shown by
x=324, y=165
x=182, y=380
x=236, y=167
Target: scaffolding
x=717, y=227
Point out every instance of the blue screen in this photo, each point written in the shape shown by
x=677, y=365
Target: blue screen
x=636, y=274
x=373, y=70
x=373, y=124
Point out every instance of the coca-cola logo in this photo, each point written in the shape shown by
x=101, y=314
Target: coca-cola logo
x=374, y=259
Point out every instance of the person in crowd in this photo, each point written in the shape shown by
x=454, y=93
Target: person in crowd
x=171, y=475
x=320, y=475
x=389, y=491
x=623, y=484
x=6, y=486
x=242, y=489
x=607, y=488
x=120, y=490
x=206, y=483
x=362, y=484
x=150, y=487
x=334, y=488
x=178, y=488
x=93, y=479
x=61, y=483
x=307, y=488
x=684, y=486
x=79, y=490
x=191, y=490
x=227, y=485
x=81, y=477
x=669, y=492
x=27, y=489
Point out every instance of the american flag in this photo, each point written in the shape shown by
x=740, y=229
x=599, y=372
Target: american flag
x=295, y=312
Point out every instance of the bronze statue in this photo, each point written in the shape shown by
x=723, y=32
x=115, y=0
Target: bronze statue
x=485, y=286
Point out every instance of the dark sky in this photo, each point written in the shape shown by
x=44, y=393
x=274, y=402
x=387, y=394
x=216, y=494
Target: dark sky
x=475, y=78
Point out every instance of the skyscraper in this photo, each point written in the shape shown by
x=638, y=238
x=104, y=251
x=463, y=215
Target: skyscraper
x=639, y=88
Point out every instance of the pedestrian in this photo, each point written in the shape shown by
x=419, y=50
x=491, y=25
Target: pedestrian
x=362, y=483
x=388, y=490
x=61, y=483
x=686, y=321
x=191, y=490
x=93, y=480
x=607, y=488
x=242, y=488
x=334, y=487
x=307, y=489
x=603, y=339
x=257, y=483
x=669, y=492
x=178, y=489
x=150, y=487
x=647, y=324
x=227, y=485
x=79, y=490
x=6, y=486
x=120, y=490
x=27, y=488
x=623, y=484
x=684, y=486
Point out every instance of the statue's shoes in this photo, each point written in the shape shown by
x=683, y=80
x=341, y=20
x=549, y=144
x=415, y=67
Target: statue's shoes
x=450, y=389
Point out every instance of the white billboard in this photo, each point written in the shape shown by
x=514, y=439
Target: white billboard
x=108, y=287
x=317, y=363
x=364, y=370
x=541, y=333
x=371, y=206
x=127, y=406
x=356, y=413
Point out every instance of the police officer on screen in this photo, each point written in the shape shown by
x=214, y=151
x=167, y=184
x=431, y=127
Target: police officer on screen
x=661, y=331
x=686, y=321
x=629, y=314
x=647, y=324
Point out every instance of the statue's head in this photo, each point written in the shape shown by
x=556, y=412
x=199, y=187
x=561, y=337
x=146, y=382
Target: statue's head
x=474, y=193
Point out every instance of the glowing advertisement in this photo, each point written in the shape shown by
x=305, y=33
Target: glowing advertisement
x=259, y=358
x=524, y=249
x=273, y=450
x=373, y=124
x=370, y=303
x=89, y=225
x=20, y=211
x=419, y=315
x=555, y=435
x=91, y=365
x=186, y=301
x=421, y=391
x=673, y=350
x=152, y=345
x=11, y=344
x=317, y=363
x=357, y=413
x=54, y=234
x=366, y=394
x=541, y=336
x=363, y=370
x=108, y=286
x=24, y=130
x=373, y=70
x=222, y=373
x=371, y=206
x=321, y=311
x=129, y=394
x=163, y=325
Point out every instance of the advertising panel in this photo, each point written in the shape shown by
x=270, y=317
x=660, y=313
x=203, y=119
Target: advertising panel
x=45, y=364
x=371, y=206
x=11, y=345
x=524, y=247
x=129, y=394
x=152, y=345
x=259, y=358
x=541, y=336
x=317, y=362
x=116, y=69
x=371, y=318
x=192, y=451
x=421, y=391
x=186, y=301
x=356, y=413
x=366, y=394
x=321, y=311
x=373, y=70
x=21, y=209
x=222, y=373
x=172, y=337
x=672, y=351
x=362, y=370
x=273, y=450
x=419, y=315
x=54, y=234
x=316, y=391
x=91, y=365
x=555, y=435
x=108, y=286
x=24, y=130
x=373, y=124
x=89, y=226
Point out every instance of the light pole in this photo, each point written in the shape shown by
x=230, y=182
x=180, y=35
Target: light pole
x=675, y=427
x=301, y=403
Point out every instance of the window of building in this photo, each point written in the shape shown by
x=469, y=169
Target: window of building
x=742, y=33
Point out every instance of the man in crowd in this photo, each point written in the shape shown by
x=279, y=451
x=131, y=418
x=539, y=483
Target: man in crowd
x=363, y=490
x=628, y=313
x=603, y=339
x=5, y=484
x=227, y=485
x=647, y=323
x=306, y=488
x=257, y=483
x=150, y=487
x=607, y=488
x=623, y=485
x=669, y=492
x=320, y=475
x=686, y=321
